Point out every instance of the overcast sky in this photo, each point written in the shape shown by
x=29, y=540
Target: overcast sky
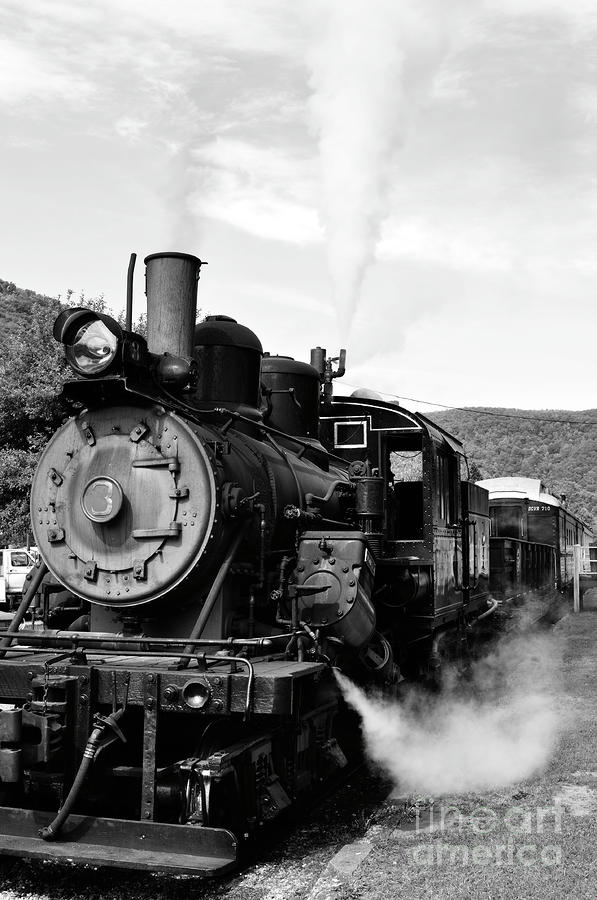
x=413, y=179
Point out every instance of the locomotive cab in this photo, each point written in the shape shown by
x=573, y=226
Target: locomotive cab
x=428, y=529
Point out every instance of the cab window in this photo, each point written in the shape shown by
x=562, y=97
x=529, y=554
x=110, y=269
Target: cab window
x=406, y=491
x=350, y=435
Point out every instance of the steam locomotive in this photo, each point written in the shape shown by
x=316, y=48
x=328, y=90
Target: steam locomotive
x=232, y=532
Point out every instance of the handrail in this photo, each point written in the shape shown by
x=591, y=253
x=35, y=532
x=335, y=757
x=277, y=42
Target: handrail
x=34, y=578
x=213, y=594
x=76, y=639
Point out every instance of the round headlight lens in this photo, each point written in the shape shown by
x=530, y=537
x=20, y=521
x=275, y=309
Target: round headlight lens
x=93, y=348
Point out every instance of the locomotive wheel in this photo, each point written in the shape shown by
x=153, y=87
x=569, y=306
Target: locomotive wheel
x=218, y=734
x=219, y=804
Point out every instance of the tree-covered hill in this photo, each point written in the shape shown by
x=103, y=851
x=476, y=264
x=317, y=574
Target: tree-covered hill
x=31, y=371
x=31, y=368
x=16, y=307
x=558, y=446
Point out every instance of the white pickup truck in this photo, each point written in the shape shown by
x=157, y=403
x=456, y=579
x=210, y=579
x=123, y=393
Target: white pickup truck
x=15, y=562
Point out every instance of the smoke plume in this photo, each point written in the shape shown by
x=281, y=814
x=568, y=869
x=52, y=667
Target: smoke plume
x=501, y=729
x=371, y=61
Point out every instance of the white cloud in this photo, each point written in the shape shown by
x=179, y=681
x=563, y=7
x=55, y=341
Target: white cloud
x=574, y=11
x=450, y=85
x=257, y=211
x=27, y=76
x=201, y=111
x=129, y=128
x=67, y=51
x=23, y=142
x=265, y=191
x=263, y=26
x=585, y=101
x=423, y=241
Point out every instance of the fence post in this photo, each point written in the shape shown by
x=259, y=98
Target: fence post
x=576, y=576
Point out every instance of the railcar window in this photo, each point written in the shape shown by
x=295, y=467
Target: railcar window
x=19, y=559
x=439, y=486
x=350, y=434
x=507, y=521
x=446, y=488
x=542, y=527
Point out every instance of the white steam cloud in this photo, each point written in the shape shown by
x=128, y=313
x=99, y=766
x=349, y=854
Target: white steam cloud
x=371, y=62
x=502, y=731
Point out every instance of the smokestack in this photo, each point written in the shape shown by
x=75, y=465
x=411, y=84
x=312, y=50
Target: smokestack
x=171, y=289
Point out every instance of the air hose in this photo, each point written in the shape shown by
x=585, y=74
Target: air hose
x=96, y=743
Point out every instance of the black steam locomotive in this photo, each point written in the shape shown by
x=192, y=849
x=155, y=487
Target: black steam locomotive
x=231, y=532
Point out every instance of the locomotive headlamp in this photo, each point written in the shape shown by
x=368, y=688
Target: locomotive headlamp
x=196, y=694
x=97, y=347
x=93, y=348
x=91, y=340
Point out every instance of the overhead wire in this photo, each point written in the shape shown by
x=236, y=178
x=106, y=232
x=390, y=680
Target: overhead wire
x=486, y=412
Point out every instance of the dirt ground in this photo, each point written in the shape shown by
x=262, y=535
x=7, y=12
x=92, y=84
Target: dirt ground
x=534, y=839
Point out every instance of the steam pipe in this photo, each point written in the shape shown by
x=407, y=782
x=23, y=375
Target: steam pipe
x=98, y=640
x=311, y=519
x=314, y=500
x=286, y=458
x=129, y=293
x=262, y=531
x=488, y=612
x=214, y=591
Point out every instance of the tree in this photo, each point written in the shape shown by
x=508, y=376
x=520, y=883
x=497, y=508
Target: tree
x=32, y=369
x=31, y=372
x=474, y=471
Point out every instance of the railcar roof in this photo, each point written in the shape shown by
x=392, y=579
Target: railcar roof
x=363, y=399
x=518, y=487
